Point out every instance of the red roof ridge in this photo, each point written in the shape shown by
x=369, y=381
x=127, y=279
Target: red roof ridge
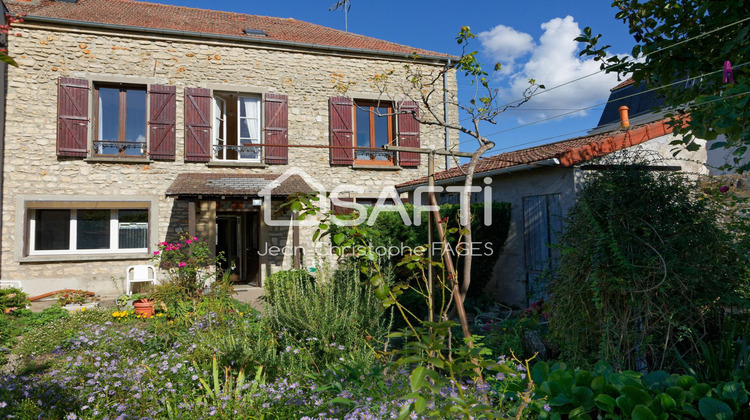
x=627, y=82
x=569, y=152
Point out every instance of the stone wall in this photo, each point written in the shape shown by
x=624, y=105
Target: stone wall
x=30, y=165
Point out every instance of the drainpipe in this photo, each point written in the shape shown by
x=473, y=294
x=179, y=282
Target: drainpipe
x=445, y=113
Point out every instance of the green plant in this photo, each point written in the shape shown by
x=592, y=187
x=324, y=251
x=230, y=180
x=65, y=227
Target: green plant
x=283, y=280
x=12, y=299
x=606, y=394
x=335, y=315
x=646, y=269
x=189, y=264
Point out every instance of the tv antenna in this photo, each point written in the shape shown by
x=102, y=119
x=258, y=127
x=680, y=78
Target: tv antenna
x=346, y=5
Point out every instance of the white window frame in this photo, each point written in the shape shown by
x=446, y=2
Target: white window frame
x=114, y=234
x=219, y=117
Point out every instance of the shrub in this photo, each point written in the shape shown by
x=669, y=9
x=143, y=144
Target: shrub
x=336, y=313
x=393, y=232
x=645, y=270
x=189, y=264
x=283, y=280
x=12, y=299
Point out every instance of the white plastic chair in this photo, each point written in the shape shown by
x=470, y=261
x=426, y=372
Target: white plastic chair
x=139, y=274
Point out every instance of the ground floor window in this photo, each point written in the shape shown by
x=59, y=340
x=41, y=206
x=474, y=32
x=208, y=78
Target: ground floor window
x=52, y=231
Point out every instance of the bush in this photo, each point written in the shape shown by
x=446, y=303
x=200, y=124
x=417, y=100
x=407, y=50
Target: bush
x=13, y=299
x=393, y=232
x=282, y=281
x=335, y=313
x=645, y=271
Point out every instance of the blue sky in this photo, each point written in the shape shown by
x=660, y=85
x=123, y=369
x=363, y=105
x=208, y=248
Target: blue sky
x=530, y=38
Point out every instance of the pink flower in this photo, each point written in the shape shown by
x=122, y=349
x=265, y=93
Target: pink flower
x=188, y=241
x=156, y=252
x=182, y=264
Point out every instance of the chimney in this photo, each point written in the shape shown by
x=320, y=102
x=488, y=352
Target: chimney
x=624, y=122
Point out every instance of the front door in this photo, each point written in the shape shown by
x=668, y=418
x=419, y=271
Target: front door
x=237, y=237
x=228, y=243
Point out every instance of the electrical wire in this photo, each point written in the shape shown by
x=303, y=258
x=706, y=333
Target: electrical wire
x=607, y=102
x=585, y=130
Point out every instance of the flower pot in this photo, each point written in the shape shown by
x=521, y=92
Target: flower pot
x=73, y=308
x=144, y=308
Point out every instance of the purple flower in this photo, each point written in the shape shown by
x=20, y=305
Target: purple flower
x=724, y=188
x=547, y=408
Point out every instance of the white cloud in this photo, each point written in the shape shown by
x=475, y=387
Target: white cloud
x=554, y=61
x=506, y=45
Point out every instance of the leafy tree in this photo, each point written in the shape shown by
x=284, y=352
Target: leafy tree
x=681, y=47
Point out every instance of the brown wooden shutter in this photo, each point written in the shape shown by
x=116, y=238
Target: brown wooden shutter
x=408, y=133
x=342, y=210
x=73, y=117
x=277, y=129
x=197, y=125
x=340, y=116
x=162, y=121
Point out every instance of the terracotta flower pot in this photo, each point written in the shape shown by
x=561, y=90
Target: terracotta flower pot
x=144, y=308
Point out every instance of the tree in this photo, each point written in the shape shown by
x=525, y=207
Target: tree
x=681, y=47
x=481, y=110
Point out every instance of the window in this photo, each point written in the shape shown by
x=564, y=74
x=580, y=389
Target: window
x=81, y=231
x=120, y=121
x=236, y=127
x=373, y=127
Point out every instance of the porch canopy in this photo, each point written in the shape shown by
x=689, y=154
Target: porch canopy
x=192, y=186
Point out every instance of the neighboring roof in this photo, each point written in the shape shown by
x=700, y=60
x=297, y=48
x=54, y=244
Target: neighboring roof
x=626, y=82
x=567, y=152
x=234, y=185
x=186, y=21
x=640, y=100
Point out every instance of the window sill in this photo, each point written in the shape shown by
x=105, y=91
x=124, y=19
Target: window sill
x=236, y=164
x=102, y=159
x=84, y=257
x=377, y=167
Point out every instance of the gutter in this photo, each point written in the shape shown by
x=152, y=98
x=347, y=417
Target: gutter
x=233, y=38
x=525, y=167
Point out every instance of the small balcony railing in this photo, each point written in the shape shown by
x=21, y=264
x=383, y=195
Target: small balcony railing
x=119, y=148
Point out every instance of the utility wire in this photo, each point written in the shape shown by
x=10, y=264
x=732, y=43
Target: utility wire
x=607, y=102
x=644, y=56
x=574, y=132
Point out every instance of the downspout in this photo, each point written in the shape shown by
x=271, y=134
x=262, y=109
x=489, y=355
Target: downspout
x=445, y=113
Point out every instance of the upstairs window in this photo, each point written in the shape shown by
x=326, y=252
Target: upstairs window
x=237, y=121
x=374, y=127
x=120, y=121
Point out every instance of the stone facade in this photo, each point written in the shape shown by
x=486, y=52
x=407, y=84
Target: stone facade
x=31, y=168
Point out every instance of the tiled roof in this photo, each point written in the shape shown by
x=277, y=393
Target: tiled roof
x=568, y=152
x=234, y=185
x=139, y=14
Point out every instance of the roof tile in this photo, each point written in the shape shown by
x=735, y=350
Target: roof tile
x=569, y=152
x=139, y=14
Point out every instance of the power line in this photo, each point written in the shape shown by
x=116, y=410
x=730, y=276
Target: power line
x=607, y=102
x=585, y=130
x=644, y=56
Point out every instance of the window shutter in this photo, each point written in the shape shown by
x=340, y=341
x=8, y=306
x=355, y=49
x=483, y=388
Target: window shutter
x=197, y=125
x=342, y=210
x=162, y=120
x=73, y=117
x=408, y=133
x=277, y=129
x=340, y=116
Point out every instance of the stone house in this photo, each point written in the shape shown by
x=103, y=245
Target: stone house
x=127, y=123
x=541, y=184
